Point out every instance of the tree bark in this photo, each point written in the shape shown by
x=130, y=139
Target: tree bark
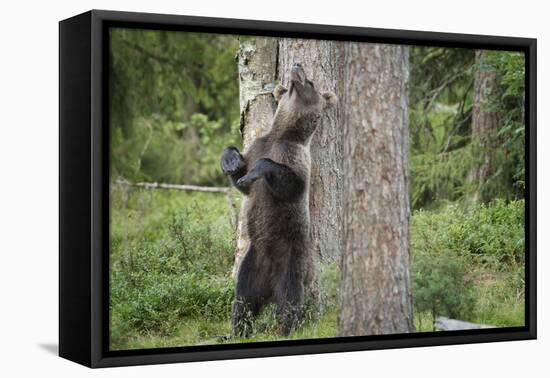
x=321, y=62
x=257, y=64
x=484, y=122
x=375, y=295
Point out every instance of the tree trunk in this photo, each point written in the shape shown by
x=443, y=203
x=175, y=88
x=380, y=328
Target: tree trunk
x=257, y=63
x=375, y=288
x=484, y=122
x=321, y=62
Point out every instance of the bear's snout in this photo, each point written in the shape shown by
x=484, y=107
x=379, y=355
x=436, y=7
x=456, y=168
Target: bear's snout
x=297, y=73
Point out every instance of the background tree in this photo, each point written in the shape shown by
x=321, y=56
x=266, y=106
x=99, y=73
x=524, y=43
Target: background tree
x=484, y=123
x=376, y=289
x=508, y=141
x=466, y=123
x=440, y=115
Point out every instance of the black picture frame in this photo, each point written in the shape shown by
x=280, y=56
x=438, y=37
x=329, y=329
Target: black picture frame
x=84, y=192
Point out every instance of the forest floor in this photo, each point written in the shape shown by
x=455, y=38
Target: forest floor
x=172, y=254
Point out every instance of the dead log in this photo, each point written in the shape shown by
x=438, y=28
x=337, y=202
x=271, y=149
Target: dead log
x=193, y=188
x=446, y=324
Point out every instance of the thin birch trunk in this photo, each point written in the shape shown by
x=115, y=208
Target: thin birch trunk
x=257, y=63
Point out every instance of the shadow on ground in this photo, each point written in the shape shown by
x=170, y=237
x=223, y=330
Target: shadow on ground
x=51, y=348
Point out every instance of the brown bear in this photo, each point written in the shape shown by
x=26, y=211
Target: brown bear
x=275, y=174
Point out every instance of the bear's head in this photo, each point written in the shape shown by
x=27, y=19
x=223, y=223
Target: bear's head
x=301, y=104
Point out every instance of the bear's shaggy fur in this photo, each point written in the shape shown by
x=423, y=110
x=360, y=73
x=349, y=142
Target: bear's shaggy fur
x=275, y=174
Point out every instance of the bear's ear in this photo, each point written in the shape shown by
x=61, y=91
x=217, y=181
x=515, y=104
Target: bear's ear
x=330, y=99
x=279, y=91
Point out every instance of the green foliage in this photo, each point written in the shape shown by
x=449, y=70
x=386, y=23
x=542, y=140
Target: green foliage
x=174, y=102
x=440, y=286
x=509, y=140
x=440, y=109
x=176, y=152
x=501, y=297
x=175, y=74
x=212, y=140
x=172, y=253
x=171, y=257
x=443, y=152
x=491, y=234
x=200, y=248
x=156, y=302
x=468, y=262
x=440, y=177
x=511, y=68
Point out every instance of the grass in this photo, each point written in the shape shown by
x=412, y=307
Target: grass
x=201, y=332
x=501, y=299
x=172, y=256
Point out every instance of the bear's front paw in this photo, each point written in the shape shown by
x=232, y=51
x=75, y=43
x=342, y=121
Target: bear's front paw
x=247, y=180
x=231, y=161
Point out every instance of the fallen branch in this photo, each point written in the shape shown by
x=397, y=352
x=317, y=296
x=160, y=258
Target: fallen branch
x=196, y=188
x=445, y=324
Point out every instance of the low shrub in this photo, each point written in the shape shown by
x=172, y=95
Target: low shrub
x=467, y=262
x=158, y=302
x=492, y=234
x=441, y=286
x=164, y=271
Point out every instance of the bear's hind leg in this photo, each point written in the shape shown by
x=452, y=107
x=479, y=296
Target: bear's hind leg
x=289, y=297
x=248, y=297
x=244, y=312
